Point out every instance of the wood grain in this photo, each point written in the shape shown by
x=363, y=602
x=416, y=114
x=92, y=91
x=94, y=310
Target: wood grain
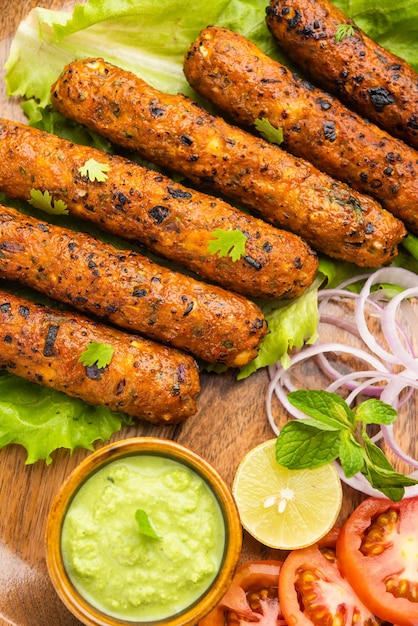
x=231, y=419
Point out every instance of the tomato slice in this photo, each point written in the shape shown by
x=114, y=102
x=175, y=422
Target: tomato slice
x=312, y=589
x=252, y=598
x=378, y=552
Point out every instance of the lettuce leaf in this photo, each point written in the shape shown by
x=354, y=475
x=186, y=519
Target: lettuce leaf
x=43, y=420
x=292, y=323
x=129, y=34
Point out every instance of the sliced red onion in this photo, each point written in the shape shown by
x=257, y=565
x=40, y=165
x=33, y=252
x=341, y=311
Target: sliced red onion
x=383, y=380
x=390, y=328
x=280, y=380
x=391, y=275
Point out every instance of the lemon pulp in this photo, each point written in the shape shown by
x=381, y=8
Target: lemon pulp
x=282, y=508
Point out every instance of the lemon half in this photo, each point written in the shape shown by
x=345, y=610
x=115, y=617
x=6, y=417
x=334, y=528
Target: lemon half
x=282, y=508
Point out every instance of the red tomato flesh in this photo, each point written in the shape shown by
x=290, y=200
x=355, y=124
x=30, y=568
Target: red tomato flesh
x=378, y=553
x=251, y=599
x=312, y=590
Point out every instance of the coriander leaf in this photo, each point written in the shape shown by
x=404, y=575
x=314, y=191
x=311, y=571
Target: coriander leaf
x=350, y=454
x=300, y=446
x=95, y=170
x=343, y=31
x=375, y=411
x=268, y=131
x=228, y=243
x=43, y=201
x=323, y=406
x=97, y=353
x=144, y=524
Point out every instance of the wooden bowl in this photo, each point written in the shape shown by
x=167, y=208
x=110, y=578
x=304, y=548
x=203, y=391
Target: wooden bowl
x=83, y=604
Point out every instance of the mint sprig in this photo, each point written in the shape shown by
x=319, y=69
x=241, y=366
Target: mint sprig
x=333, y=431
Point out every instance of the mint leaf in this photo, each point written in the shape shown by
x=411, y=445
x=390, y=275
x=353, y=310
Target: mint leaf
x=389, y=490
x=228, y=243
x=144, y=524
x=350, y=454
x=95, y=170
x=301, y=446
x=375, y=411
x=97, y=353
x=384, y=479
x=323, y=406
x=390, y=483
x=381, y=474
x=374, y=455
x=335, y=431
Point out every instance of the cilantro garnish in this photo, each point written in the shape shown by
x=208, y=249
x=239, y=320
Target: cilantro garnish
x=343, y=32
x=144, y=524
x=268, y=131
x=228, y=243
x=43, y=201
x=97, y=353
x=95, y=170
x=334, y=430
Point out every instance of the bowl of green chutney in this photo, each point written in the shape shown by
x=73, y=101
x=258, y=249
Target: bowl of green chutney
x=143, y=531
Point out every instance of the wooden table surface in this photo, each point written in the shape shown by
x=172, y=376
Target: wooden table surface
x=231, y=419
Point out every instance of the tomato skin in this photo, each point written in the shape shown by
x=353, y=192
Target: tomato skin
x=258, y=573
x=324, y=596
x=366, y=573
x=249, y=577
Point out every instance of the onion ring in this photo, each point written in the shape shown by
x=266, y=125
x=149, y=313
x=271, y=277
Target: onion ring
x=383, y=380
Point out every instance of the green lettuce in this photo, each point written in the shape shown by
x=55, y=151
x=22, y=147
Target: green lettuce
x=43, y=420
x=292, y=324
x=129, y=34
x=150, y=39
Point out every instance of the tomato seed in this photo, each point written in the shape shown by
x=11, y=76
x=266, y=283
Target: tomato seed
x=402, y=589
x=306, y=576
x=376, y=537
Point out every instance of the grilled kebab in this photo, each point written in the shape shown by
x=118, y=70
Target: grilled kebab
x=173, y=131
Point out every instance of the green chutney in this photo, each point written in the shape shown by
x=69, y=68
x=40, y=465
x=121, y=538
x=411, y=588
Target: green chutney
x=121, y=570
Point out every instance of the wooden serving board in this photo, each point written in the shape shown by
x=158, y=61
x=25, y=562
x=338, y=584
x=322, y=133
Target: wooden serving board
x=230, y=421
